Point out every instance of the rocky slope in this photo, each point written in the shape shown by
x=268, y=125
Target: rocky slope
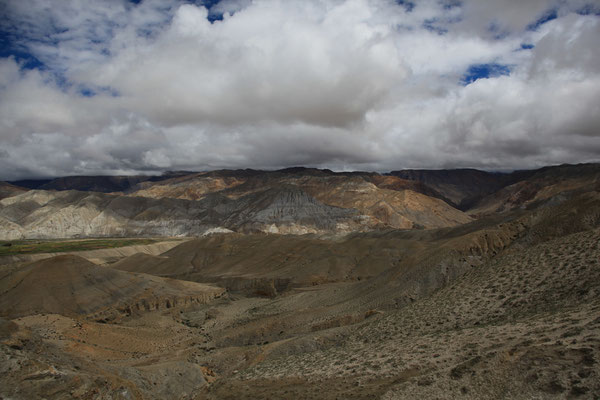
x=395, y=208
x=523, y=325
x=44, y=214
x=386, y=201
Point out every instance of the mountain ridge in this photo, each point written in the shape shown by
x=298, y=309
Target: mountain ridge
x=295, y=200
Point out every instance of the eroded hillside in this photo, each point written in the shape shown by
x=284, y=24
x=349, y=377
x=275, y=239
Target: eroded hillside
x=504, y=306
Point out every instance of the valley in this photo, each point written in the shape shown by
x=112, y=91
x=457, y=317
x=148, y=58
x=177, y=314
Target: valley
x=305, y=283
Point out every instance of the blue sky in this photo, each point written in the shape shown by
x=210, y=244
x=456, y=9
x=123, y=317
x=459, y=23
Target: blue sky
x=139, y=87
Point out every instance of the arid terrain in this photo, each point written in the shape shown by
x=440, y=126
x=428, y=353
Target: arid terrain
x=303, y=284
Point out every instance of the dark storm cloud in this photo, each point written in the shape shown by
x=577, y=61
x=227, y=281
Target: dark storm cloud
x=119, y=87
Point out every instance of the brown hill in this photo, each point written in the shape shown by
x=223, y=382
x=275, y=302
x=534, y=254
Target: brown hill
x=295, y=200
x=431, y=257
x=72, y=286
x=267, y=264
x=8, y=190
x=395, y=208
x=467, y=311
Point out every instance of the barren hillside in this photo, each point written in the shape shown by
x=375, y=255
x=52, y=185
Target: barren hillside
x=503, y=306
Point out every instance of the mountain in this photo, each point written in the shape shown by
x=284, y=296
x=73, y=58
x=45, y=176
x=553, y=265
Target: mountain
x=505, y=306
x=400, y=207
x=502, y=305
x=292, y=201
x=386, y=201
x=100, y=183
x=459, y=186
x=267, y=264
x=45, y=214
x=8, y=190
x=30, y=183
x=479, y=191
x=541, y=185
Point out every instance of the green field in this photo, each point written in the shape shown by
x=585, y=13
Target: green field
x=13, y=247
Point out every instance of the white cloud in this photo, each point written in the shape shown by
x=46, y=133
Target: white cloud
x=344, y=84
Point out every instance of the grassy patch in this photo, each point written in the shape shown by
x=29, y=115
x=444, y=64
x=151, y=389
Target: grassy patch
x=13, y=247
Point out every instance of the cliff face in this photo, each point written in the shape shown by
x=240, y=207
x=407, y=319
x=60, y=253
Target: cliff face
x=401, y=208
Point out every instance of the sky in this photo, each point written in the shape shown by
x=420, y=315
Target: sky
x=127, y=87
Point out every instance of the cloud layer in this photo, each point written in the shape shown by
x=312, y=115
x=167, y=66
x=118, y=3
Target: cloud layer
x=118, y=87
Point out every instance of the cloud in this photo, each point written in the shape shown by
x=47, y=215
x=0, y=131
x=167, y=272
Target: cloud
x=322, y=67
x=344, y=84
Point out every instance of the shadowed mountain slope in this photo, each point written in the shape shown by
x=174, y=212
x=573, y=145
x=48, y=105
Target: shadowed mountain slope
x=484, y=192
x=100, y=183
x=8, y=190
x=544, y=184
x=268, y=264
x=459, y=186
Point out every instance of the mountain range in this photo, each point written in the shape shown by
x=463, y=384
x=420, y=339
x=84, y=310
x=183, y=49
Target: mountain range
x=305, y=283
x=295, y=201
